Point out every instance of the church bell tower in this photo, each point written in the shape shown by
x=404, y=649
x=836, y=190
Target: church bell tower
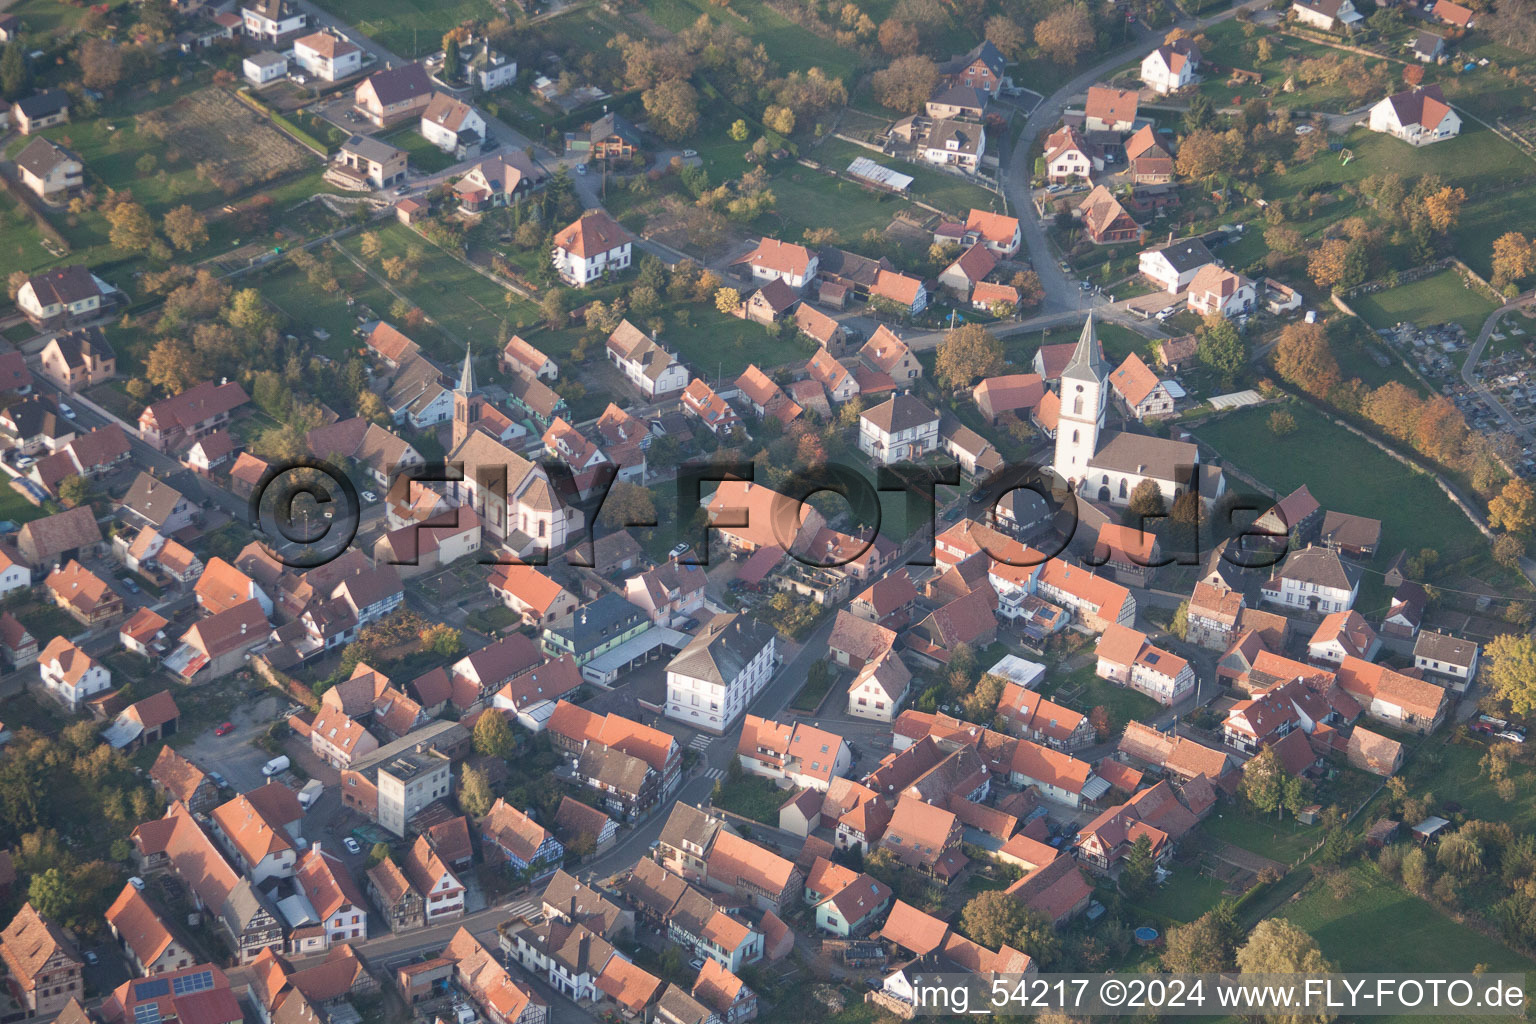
x=1083, y=402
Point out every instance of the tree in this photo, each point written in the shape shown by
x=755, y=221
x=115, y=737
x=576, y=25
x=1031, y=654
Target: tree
x=966, y=355
x=1514, y=258
x=172, y=367
x=673, y=107
x=15, y=76
x=75, y=490
x=101, y=63
x=1303, y=357
x=443, y=640
x=905, y=84
x=1276, y=946
x=1136, y=872
x=377, y=855
x=1203, y=946
x=727, y=300
x=1065, y=35
x=553, y=308
x=1508, y=550
x=1179, y=627
x=1338, y=263
x=981, y=703
x=131, y=231
x=1099, y=719
x=992, y=918
x=186, y=228
x=779, y=119
x=1460, y=854
x=247, y=312
x=1282, y=422
x=1205, y=154
x=627, y=504
x=493, y=737
x=1512, y=670
x=897, y=38
x=1514, y=509
x=1443, y=208
x=738, y=130
x=451, y=57
x=1263, y=783
x=1007, y=35
x=1147, y=500
x=475, y=795
x=1222, y=349
x=371, y=407
x=51, y=895
x=1031, y=291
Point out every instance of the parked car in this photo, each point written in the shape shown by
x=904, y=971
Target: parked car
x=23, y=461
x=225, y=729
x=129, y=585
x=1512, y=736
x=92, y=958
x=66, y=410
x=370, y=497
x=219, y=780
x=352, y=845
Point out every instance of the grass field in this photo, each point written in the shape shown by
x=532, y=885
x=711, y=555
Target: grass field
x=449, y=291
x=793, y=48
x=1282, y=839
x=948, y=192
x=1087, y=691
x=1437, y=299
x=1499, y=180
x=1414, y=513
x=752, y=797
x=21, y=244
x=408, y=27
x=809, y=199
x=1231, y=48
x=1353, y=922
x=422, y=153
x=1186, y=896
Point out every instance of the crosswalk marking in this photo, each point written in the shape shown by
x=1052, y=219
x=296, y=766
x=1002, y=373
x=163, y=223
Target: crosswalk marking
x=701, y=742
x=522, y=908
x=715, y=773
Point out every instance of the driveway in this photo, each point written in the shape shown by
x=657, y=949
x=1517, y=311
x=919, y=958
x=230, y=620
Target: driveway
x=236, y=756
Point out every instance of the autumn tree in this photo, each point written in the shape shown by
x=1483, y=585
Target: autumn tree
x=1031, y=291
x=673, y=107
x=1065, y=35
x=1005, y=33
x=493, y=737
x=897, y=38
x=1302, y=357
x=475, y=796
x=75, y=490
x=1206, y=154
x=966, y=355
x=1512, y=670
x=186, y=228
x=1508, y=550
x=727, y=300
x=1276, y=946
x=1514, y=509
x=627, y=504
x=1282, y=422
x=1443, y=208
x=1147, y=500
x=131, y=229
x=1179, y=626
x=779, y=119
x=1514, y=258
x=992, y=918
x=1204, y=946
x=101, y=63
x=738, y=131
x=172, y=367
x=1338, y=264
x=451, y=57
x=981, y=703
x=905, y=84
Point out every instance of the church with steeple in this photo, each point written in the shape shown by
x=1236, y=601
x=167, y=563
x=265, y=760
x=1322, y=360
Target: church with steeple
x=517, y=502
x=1106, y=466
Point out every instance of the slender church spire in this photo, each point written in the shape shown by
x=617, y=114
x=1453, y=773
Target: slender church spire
x=1087, y=361
x=467, y=376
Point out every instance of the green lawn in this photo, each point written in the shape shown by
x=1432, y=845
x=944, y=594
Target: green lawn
x=813, y=199
x=948, y=192
x=718, y=344
x=1370, y=924
x=46, y=17
x=792, y=47
x=1229, y=47
x=1499, y=180
x=13, y=506
x=1281, y=839
x=410, y=28
x=1124, y=704
x=1439, y=298
x=422, y=153
x=448, y=290
x=752, y=797
x=21, y=243
x=1186, y=896
x=1414, y=513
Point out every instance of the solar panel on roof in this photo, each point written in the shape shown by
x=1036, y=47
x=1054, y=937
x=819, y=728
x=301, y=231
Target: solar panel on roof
x=187, y=983
x=146, y=1013
x=153, y=989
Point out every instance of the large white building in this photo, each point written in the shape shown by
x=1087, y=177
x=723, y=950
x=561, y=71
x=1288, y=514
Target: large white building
x=1314, y=579
x=1417, y=116
x=328, y=56
x=1170, y=67
x=712, y=681
x=593, y=245
x=899, y=430
x=1108, y=466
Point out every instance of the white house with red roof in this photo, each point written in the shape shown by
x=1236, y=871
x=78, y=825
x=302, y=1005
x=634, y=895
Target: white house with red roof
x=1070, y=157
x=774, y=260
x=593, y=245
x=1127, y=657
x=997, y=232
x=1418, y=116
x=1216, y=289
x=1140, y=390
x=1170, y=67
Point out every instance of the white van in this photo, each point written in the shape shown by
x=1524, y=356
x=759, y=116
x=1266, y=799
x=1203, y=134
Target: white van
x=278, y=764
